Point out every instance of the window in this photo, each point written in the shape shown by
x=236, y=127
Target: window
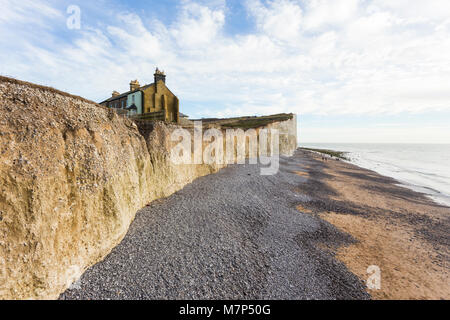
x=133, y=98
x=122, y=104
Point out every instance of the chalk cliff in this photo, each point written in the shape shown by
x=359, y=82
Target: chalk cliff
x=72, y=176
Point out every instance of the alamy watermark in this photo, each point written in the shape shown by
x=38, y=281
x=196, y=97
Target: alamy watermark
x=374, y=279
x=212, y=147
x=73, y=21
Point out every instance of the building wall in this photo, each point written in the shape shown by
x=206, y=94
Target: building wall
x=158, y=98
x=153, y=99
x=118, y=103
x=137, y=101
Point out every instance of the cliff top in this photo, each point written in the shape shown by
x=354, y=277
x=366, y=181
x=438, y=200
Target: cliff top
x=248, y=122
x=45, y=88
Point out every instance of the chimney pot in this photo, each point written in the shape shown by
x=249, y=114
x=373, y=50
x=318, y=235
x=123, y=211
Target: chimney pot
x=134, y=85
x=159, y=75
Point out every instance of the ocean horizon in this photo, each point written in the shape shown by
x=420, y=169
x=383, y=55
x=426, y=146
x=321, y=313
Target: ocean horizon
x=422, y=167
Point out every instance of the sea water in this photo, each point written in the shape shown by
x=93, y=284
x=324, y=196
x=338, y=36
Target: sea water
x=421, y=167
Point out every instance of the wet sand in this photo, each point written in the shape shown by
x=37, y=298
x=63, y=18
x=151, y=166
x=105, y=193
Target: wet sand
x=401, y=231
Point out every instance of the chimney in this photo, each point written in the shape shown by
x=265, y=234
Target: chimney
x=159, y=75
x=115, y=94
x=134, y=85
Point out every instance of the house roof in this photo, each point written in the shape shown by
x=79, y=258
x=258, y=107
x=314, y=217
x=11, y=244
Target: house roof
x=126, y=93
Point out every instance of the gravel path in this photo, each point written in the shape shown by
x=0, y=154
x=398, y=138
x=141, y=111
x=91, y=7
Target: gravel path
x=231, y=235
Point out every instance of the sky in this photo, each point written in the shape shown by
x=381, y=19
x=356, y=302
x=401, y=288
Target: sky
x=352, y=70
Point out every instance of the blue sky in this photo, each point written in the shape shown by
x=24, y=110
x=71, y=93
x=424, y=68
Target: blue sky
x=353, y=70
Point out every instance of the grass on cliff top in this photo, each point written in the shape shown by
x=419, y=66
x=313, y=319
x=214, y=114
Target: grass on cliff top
x=336, y=154
x=255, y=122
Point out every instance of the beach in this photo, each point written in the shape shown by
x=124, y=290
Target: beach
x=402, y=231
x=421, y=167
x=308, y=232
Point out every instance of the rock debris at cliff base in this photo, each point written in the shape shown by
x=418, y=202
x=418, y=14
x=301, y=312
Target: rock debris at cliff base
x=232, y=235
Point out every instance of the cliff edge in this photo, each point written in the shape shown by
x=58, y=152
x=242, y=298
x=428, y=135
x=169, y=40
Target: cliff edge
x=72, y=176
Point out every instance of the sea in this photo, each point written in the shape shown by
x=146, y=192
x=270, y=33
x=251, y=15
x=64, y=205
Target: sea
x=421, y=167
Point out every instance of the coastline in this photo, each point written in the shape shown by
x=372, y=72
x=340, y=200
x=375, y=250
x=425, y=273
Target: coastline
x=308, y=232
x=402, y=231
x=420, y=167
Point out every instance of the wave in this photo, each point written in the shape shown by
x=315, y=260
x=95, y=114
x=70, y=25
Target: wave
x=423, y=168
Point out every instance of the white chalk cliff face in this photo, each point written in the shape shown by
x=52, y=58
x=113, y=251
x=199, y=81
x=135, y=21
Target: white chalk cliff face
x=72, y=177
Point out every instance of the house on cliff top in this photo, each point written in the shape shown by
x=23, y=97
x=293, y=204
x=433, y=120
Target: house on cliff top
x=149, y=102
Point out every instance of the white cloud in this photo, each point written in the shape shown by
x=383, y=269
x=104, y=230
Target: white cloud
x=28, y=12
x=309, y=57
x=324, y=13
x=281, y=19
x=415, y=10
x=197, y=25
x=135, y=37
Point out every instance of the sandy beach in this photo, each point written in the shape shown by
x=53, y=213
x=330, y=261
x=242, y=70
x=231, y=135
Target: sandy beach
x=308, y=232
x=403, y=232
